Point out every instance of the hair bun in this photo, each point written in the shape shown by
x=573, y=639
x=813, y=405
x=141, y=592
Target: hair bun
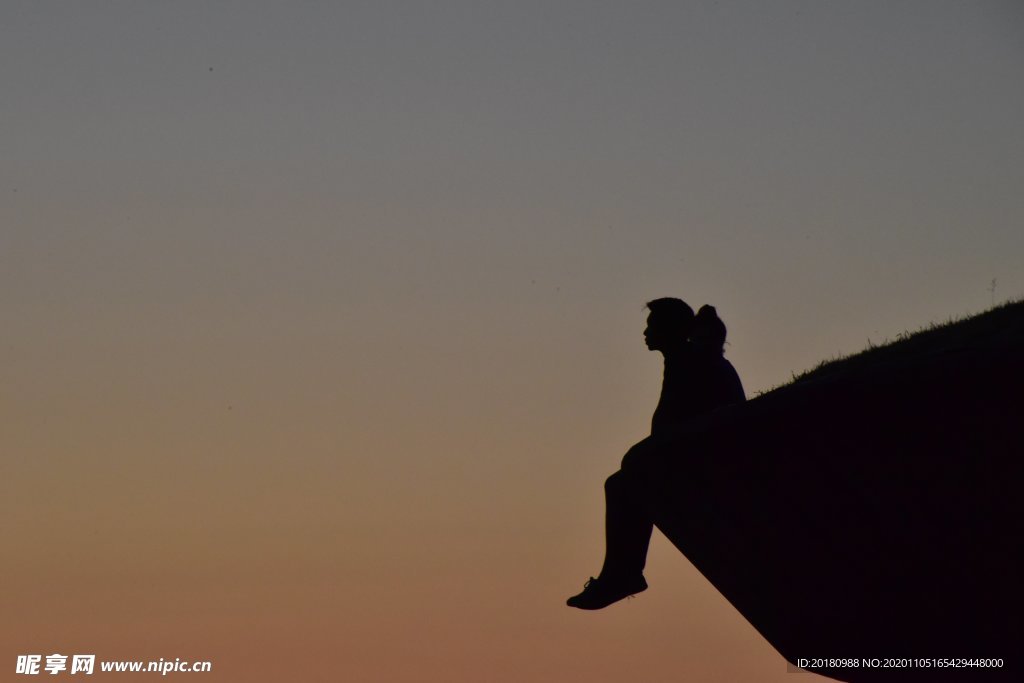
x=707, y=311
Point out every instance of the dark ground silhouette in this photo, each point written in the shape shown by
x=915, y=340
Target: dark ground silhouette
x=871, y=511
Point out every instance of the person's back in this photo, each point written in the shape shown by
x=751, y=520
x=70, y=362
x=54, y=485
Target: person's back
x=697, y=378
x=718, y=382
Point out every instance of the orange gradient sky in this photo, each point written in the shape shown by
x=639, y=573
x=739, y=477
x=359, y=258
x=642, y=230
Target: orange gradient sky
x=322, y=321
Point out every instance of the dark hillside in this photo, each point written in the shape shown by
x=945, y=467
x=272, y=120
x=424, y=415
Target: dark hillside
x=999, y=329
x=873, y=508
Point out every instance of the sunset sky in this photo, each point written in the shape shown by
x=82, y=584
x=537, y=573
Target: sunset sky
x=323, y=320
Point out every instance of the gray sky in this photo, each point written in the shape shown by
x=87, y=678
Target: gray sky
x=821, y=171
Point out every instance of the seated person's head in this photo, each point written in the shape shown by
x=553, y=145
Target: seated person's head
x=708, y=331
x=669, y=324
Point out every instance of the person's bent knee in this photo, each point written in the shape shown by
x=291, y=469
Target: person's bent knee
x=635, y=454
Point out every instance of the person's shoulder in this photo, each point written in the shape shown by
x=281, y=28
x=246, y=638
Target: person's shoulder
x=733, y=379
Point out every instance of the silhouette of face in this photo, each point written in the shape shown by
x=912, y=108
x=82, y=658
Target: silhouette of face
x=654, y=334
x=663, y=334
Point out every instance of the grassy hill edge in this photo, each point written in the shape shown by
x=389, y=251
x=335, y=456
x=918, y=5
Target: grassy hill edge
x=997, y=329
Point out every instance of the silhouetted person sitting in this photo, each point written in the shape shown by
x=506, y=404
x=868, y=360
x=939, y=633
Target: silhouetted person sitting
x=697, y=379
x=715, y=378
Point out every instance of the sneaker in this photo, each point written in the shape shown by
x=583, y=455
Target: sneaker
x=598, y=593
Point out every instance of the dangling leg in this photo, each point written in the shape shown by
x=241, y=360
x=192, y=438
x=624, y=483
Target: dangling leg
x=628, y=528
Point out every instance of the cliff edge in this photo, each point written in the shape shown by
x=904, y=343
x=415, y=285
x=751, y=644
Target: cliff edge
x=872, y=510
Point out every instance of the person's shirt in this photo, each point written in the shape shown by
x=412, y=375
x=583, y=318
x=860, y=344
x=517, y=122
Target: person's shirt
x=694, y=382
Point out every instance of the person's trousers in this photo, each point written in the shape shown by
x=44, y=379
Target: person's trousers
x=628, y=520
